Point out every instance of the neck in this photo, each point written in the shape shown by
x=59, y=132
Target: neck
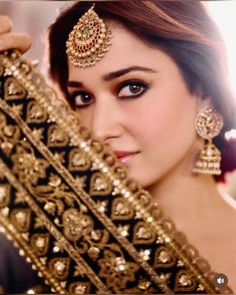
x=198, y=211
x=191, y=196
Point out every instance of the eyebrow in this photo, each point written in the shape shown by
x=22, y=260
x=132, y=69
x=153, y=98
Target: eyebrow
x=75, y=84
x=113, y=75
x=117, y=74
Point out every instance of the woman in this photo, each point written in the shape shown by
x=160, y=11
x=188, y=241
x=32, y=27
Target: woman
x=147, y=96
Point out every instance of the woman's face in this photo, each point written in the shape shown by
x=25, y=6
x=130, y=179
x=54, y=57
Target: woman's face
x=135, y=99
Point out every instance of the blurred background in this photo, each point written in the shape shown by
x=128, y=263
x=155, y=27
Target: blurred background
x=34, y=17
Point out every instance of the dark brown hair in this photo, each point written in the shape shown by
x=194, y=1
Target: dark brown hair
x=182, y=29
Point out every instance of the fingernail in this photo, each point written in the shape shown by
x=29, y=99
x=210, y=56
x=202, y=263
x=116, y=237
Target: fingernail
x=35, y=63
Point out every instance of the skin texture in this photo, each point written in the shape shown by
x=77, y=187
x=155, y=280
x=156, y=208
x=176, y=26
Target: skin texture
x=158, y=125
x=10, y=39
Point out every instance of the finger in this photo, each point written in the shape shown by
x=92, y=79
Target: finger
x=5, y=24
x=34, y=63
x=20, y=41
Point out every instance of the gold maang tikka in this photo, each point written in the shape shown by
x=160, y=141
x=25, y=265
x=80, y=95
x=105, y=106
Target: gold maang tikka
x=208, y=125
x=89, y=40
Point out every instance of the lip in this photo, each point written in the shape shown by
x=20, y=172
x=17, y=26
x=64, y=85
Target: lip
x=125, y=157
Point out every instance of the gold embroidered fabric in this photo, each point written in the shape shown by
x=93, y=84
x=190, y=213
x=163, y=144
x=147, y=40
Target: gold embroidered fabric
x=71, y=208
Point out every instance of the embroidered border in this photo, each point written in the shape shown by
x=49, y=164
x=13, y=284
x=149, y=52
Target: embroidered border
x=103, y=162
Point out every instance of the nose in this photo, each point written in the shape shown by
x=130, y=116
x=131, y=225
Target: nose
x=107, y=119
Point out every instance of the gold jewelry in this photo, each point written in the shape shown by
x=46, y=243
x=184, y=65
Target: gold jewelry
x=89, y=40
x=69, y=205
x=208, y=125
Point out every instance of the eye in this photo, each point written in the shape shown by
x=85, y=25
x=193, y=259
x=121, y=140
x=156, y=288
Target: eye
x=132, y=89
x=81, y=99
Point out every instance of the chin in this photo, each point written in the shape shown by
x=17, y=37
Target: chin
x=143, y=178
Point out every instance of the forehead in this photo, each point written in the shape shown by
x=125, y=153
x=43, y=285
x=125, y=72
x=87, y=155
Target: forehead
x=126, y=50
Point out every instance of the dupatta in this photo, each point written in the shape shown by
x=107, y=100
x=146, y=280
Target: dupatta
x=71, y=209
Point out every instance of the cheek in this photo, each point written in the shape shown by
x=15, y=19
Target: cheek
x=85, y=116
x=173, y=129
x=171, y=136
x=165, y=136
x=165, y=119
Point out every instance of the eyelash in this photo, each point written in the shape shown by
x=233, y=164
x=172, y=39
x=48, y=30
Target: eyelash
x=118, y=89
x=130, y=83
x=74, y=95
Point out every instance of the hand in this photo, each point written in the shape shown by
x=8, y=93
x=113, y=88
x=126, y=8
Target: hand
x=10, y=39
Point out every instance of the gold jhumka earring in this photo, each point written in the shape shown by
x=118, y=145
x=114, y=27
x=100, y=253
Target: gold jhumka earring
x=69, y=205
x=208, y=125
x=89, y=40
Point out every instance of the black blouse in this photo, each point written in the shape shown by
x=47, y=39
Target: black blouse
x=16, y=275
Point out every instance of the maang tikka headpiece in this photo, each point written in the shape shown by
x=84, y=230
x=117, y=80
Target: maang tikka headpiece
x=89, y=40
